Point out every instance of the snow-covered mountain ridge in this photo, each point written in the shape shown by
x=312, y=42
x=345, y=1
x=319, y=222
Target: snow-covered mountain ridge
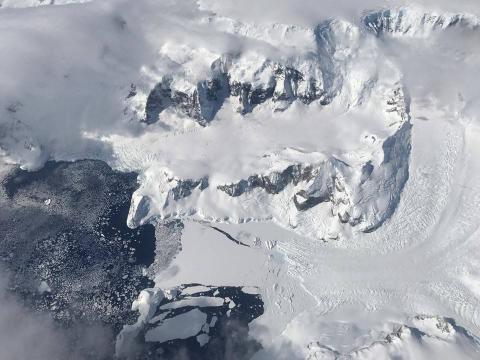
x=334, y=70
x=331, y=164
x=413, y=22
x=342, y=73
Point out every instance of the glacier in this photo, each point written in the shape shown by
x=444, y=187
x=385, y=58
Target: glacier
x=328, y=166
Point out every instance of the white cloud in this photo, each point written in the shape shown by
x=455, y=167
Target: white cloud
x=25, y=334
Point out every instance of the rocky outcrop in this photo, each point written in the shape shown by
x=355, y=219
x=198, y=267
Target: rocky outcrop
x=315, y=76
x=172, y=189
x=200, y=102
x=184, y=188
x=365, y=200
x=320, y=183
x=415, y=22
x=406, y=338
x=320, y=190
x=158, y=100
x=272, y=183
x=378, y=194
x=285, y=85
x=332, y=66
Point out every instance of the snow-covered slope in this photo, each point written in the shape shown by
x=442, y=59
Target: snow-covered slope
x=336, y=74
x=416, y=22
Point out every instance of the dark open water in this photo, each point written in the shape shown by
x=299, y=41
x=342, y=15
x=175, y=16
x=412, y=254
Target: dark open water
x=80, y=245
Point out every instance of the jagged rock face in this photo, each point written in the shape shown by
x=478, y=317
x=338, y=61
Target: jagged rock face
x=404, y=340
x=379, y=182
x=202, y=104
x=335, y=72
x=272, y=183
x=321, y=182
x=185, y=187
x=321, y=190
x=158, y=100
x=284, y=86
x=248, y=98
x=317, y=75
x=413, y=22
x=332, y=181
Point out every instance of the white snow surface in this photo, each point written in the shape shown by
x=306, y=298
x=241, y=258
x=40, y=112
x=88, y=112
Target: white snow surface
x=34, y=3
x=191, y=290
x=198, y=301
x=376, y=272
x=181, y=326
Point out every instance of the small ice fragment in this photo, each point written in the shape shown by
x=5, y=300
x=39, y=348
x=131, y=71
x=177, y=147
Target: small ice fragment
x=198, y=301
x=43, y=287
x=47, y=202
x=203, y=339
x=195, y=290
x=172, y=293
x=213, y=321
x=181, y=326
x=206, y=328
x=251, y=290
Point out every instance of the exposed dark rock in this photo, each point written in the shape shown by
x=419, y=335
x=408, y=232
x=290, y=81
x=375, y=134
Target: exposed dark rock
x=304, y=201
x=272, y=183
x=132, y=92
x=228, y=236
x=400, y=21
x=185, y=187
x=249, y=98
x=332, y=77
x=208, y=96
x=211, y=95
x=321, y=190
x=158, y=100
x=367, y=170
x=396, y=154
